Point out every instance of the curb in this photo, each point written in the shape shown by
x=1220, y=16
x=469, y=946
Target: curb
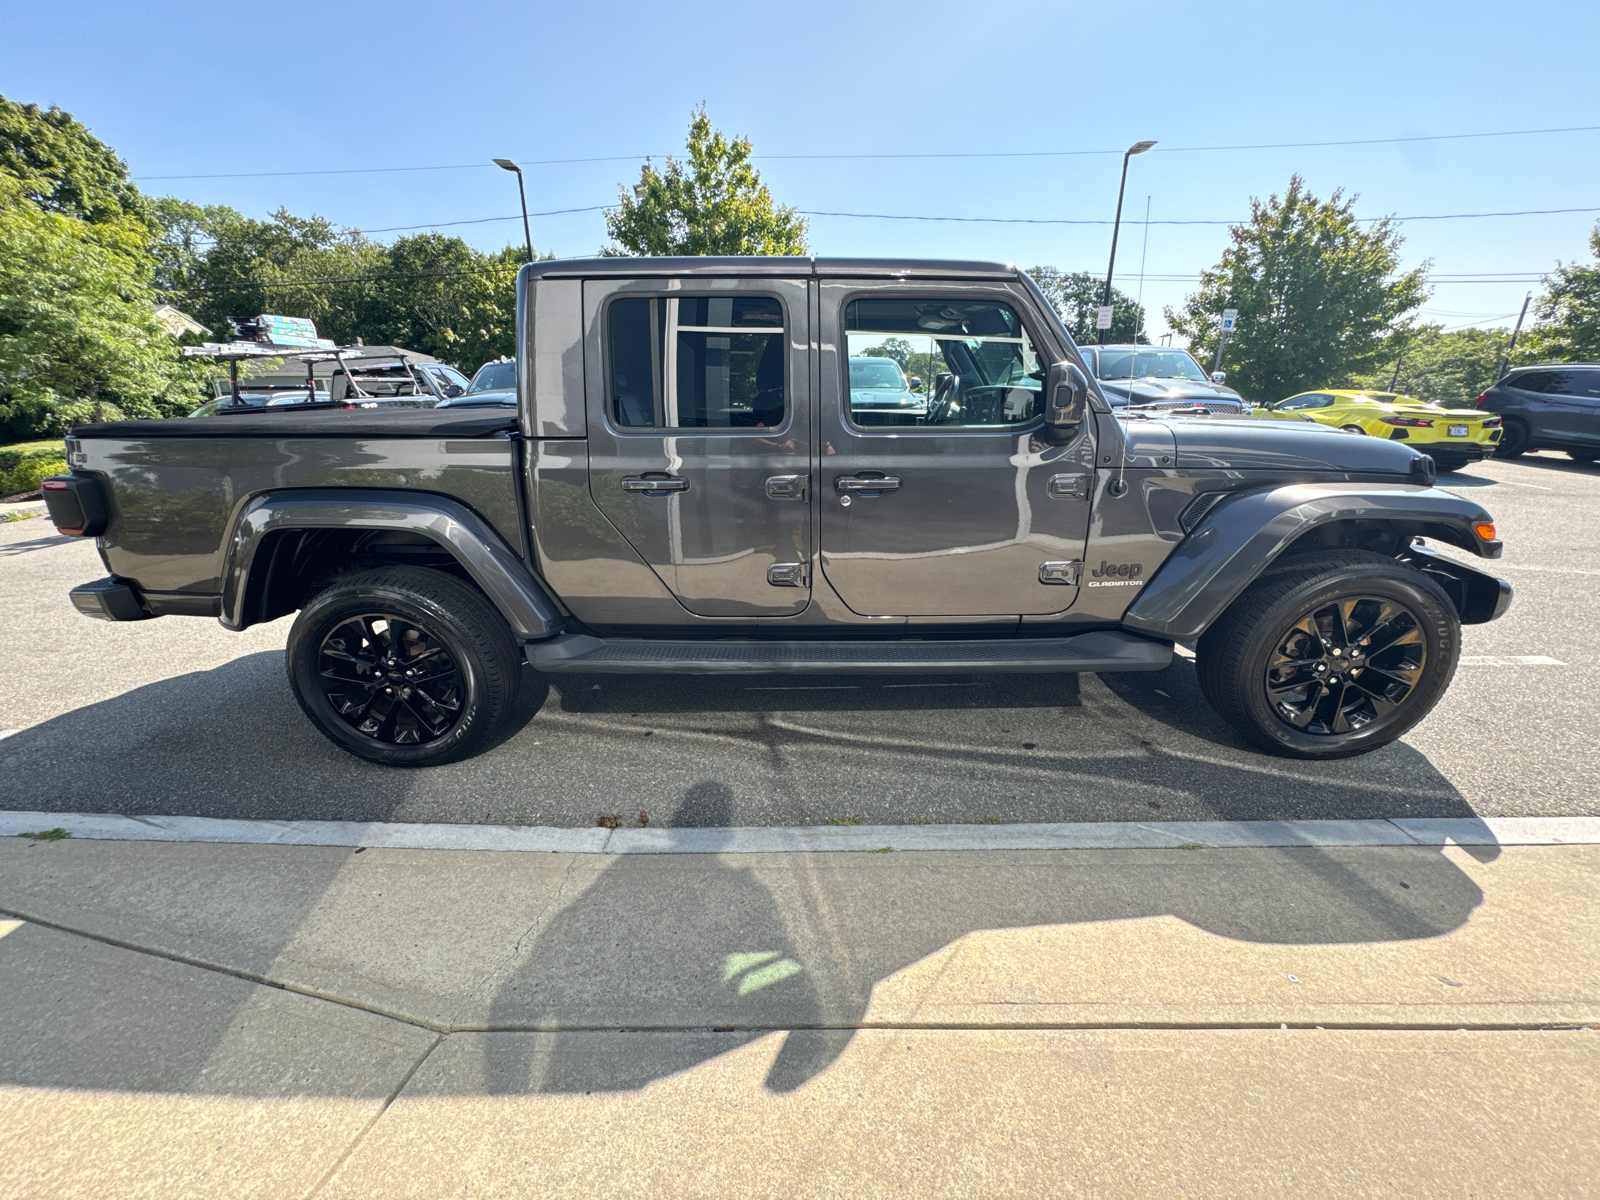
x=1100, y=835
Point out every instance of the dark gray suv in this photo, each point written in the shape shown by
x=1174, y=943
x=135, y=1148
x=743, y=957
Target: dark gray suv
x=1553, y=406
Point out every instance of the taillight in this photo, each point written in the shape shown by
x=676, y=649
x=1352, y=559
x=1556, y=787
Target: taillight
x=1482, y=396
x=1412, y=422
x=76, y=504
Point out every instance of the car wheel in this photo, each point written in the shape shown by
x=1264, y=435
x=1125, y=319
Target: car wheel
x=1354, y=429
x=1585, y=456
x=1513, y=439
x=404, y=666
x=1332, y=656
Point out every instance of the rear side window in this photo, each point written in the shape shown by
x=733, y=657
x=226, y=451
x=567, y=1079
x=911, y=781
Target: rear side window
x=1533, y=381
x=696, y=362
x=941, y=362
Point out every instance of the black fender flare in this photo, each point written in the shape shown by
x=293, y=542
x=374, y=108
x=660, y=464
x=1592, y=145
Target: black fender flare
x=510, y=586
x=1242, y=536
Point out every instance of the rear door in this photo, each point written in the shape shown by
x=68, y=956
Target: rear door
x=955, y=508
x=699, y=401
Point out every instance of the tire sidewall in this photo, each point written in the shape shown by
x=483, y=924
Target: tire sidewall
x=1513, y=439
x=325, y=613
x=1442, y=643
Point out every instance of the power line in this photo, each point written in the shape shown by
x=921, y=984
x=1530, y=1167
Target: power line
x=1527, y=212
x=546, y=162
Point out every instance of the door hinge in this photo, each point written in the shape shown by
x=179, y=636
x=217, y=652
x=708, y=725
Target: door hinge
x=1061, y=572
x=789, y=575
x=1064, y=487
x=787, y=487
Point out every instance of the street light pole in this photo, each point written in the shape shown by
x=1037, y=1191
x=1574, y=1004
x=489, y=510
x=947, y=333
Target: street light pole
x=1116, y=226
x=506, y=164
x=1506, y=357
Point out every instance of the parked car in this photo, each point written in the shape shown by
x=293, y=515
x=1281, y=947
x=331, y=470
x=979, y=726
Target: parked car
x=880, y=393
x=1453, y=437
x=494, y=384
x=688, y=490
x=1553, y=406
x=1159, y=378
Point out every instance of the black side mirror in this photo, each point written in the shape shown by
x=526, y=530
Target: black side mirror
x=1066, y=396
x=916, y=383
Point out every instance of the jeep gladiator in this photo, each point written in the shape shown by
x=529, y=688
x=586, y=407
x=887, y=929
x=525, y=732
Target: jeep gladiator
x=686, y=485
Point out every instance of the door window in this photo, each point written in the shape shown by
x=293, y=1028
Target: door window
x=1310, y=400
x=940, y=362
x=1533, y=381
x=696, y=362
x=1584, y=384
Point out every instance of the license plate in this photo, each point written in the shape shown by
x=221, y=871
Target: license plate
x=1458, y=431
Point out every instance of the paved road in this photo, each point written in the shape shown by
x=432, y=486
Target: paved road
x=179, y=716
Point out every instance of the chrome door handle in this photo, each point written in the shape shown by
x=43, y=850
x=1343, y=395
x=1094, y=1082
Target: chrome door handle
x=655, y=486
x=856, y=483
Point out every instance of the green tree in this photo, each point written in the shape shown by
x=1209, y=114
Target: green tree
x=715, y=203
x=1569, y=312
x=78, y=339
x=1076, y=295
x=1449, y=367
x=1317, y=295
x=62, y=167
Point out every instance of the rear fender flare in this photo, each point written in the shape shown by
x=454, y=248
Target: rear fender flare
x=1242, y=537
x=503, y=577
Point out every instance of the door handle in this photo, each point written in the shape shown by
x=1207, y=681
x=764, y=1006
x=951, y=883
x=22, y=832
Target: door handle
x=655, y=486
x=1062, y=487
x=858, y=483
x=787, y=487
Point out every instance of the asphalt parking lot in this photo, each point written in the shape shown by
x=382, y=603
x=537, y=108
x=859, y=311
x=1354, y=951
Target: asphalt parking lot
x=181, y=717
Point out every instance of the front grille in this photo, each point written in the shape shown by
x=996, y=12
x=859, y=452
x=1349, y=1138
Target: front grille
x=1231, y=407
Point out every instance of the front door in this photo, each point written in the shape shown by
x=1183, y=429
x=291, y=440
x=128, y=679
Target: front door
x=938, y=497
x=700, y=435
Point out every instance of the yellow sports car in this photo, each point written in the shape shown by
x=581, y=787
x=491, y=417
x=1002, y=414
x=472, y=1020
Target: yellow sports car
x=1453, y=437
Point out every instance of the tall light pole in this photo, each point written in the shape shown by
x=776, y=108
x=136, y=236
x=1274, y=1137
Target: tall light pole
x=1136, y=148
x=507, y=165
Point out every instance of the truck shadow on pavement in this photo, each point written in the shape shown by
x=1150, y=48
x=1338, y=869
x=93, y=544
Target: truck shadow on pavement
x=732, y=950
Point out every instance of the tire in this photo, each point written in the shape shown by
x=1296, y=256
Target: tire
x=1513, y=439
x=1420, y=647
x=407, y=716
x=1584, y=456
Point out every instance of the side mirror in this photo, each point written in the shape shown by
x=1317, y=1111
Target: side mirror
x=452, y=390
x=1218, y=376
x=1066, y=396
x=916, y=383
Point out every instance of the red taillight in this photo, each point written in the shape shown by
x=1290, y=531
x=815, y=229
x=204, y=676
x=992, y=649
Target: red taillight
x=1413, y=422
x=53, y=485
x=1482, y=396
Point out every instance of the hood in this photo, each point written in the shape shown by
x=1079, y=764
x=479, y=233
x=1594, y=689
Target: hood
x=1252, y=444
x=1146, y=391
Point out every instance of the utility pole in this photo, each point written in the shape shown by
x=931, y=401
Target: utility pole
x=1103, y=318
x=505, y=164
x=1506, y=357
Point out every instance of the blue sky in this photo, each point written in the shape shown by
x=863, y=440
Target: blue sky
x=231, y=90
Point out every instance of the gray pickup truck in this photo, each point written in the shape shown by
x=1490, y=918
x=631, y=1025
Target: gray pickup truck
x=684, y=486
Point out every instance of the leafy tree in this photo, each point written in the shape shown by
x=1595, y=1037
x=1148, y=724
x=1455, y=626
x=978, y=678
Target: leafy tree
x=62, y=167
x=1076, y=295
x=1450, y=367
x=78, y=339
x=1569, y=312
x=1317, y=295
x=715, y=203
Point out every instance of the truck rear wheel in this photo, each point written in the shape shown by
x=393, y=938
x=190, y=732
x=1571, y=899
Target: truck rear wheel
x=404, y=666
x=1332, y=655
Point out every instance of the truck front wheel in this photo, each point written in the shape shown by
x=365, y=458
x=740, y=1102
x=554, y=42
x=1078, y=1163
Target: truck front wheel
x=404, y=666
x=1332, y=655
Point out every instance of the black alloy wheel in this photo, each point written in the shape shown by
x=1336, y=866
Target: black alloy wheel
x=1513, y=439
x=1346, y=664
x=1330, y=654
x=391, y=679
x=404, y=666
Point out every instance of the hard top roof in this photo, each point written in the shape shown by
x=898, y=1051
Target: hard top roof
x=897, y=268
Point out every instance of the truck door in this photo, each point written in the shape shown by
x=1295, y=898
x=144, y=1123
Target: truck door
x=945, y=502
x=699, y=414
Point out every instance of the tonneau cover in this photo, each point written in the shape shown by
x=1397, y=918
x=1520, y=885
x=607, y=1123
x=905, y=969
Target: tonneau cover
x=320, y=423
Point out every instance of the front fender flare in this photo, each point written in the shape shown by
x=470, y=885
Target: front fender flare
x=1241, y=537
x=510, y=586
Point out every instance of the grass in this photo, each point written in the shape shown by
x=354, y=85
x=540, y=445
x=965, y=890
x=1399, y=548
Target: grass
x=1191, y=846
x=609, y=820
x=885, y=850
x=8, y=518
x=847, y=820
x=46, y=835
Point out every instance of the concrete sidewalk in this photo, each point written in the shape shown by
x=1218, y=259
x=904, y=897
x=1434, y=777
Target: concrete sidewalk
x=201, y=1019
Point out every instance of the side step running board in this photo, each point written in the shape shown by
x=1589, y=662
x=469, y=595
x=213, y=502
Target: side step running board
x=1107, y=650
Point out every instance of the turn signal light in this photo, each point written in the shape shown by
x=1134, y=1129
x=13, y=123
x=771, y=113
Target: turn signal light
x=1485, y=530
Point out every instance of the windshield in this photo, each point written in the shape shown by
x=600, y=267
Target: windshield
x=876, y=373
x=494, y=377
x=1149, y=364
